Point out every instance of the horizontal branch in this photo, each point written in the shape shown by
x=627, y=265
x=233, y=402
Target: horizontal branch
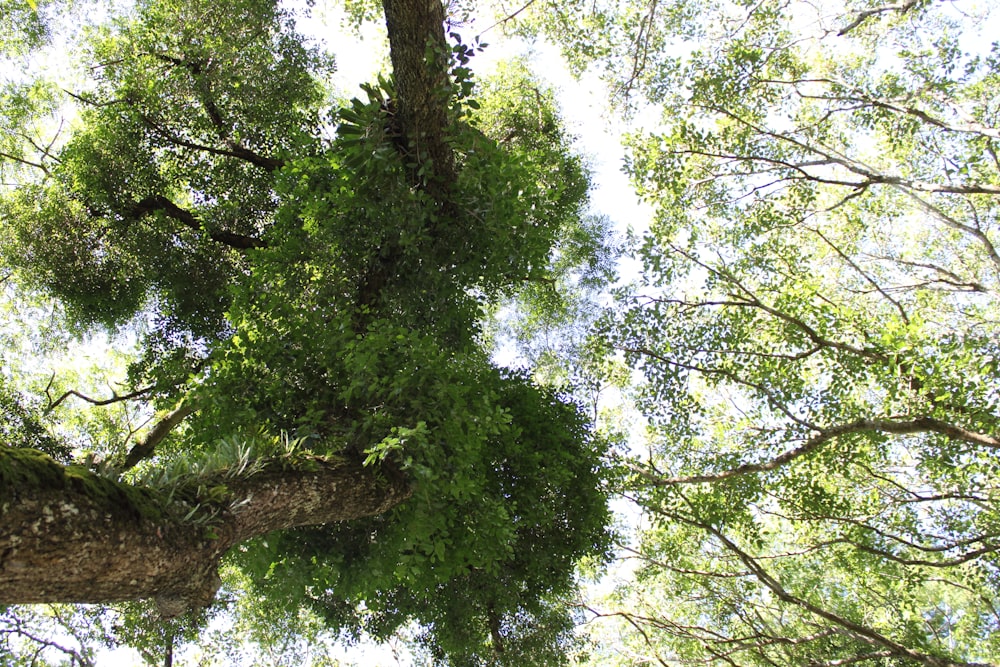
x=115, y=396
x=235, y=150
x=831, y=157
x=69, y=535
x=863, y=16
x=952, y=561
x=160, y=204
x=896, y=427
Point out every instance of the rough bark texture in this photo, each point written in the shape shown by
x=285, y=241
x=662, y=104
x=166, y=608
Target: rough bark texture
x=419, y=53
x=68, y=535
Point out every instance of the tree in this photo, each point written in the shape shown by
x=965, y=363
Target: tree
x=307, y=277
x=815, y=327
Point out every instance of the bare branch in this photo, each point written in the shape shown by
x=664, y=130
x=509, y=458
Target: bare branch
x=863, y=16
x=631, y=620
x=115, y=397
x=949, y=221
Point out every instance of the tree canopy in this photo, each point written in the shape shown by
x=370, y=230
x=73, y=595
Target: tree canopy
x=304, y=289
x=307, y=278
x=814, y=327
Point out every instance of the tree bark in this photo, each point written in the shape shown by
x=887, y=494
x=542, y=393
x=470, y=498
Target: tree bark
x=420, y=60
x=68, y=535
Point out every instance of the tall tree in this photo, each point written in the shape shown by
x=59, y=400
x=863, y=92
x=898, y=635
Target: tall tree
x=309, y=278
x=816, y=329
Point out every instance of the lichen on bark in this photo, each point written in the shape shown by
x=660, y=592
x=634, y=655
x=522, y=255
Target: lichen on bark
x=69, y=535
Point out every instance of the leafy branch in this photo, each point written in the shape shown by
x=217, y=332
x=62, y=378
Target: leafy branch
x=771, y=582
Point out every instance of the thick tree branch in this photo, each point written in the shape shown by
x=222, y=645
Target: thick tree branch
x=68, y=535
x=147, y=446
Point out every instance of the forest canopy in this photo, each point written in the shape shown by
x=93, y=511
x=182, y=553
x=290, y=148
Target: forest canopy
x=788, y=393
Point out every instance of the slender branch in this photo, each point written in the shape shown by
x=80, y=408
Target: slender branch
x=25, y=162
x=768, y=394
x=640, y=50
x=159, y=203
x=807, y=447
x=950, y=277
x=951, y=562
x=863, y=16
x=147, y=446
x=91, y=102
x=681, y=570
x=870, y=176
x=871, y=281
x=630, y=619
x=919, y=425
x=949, y=221
x=967, y=127
x=861, y=657
x=751, y=299
x=857, y=630
x=115, y=397
x=237, y=151
x=509, y=17
x=43, y=644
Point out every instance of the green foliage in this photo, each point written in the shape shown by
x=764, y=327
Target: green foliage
x=468, y=550
x=178, y=112
x=22, y=25
x=21, y=426
x=327, y=290
x=815, y=330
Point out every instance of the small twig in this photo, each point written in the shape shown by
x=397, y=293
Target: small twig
x=509, y=17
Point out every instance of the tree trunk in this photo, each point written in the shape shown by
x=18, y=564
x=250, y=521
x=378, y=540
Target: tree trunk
x=68, y=535
x=420, y=59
